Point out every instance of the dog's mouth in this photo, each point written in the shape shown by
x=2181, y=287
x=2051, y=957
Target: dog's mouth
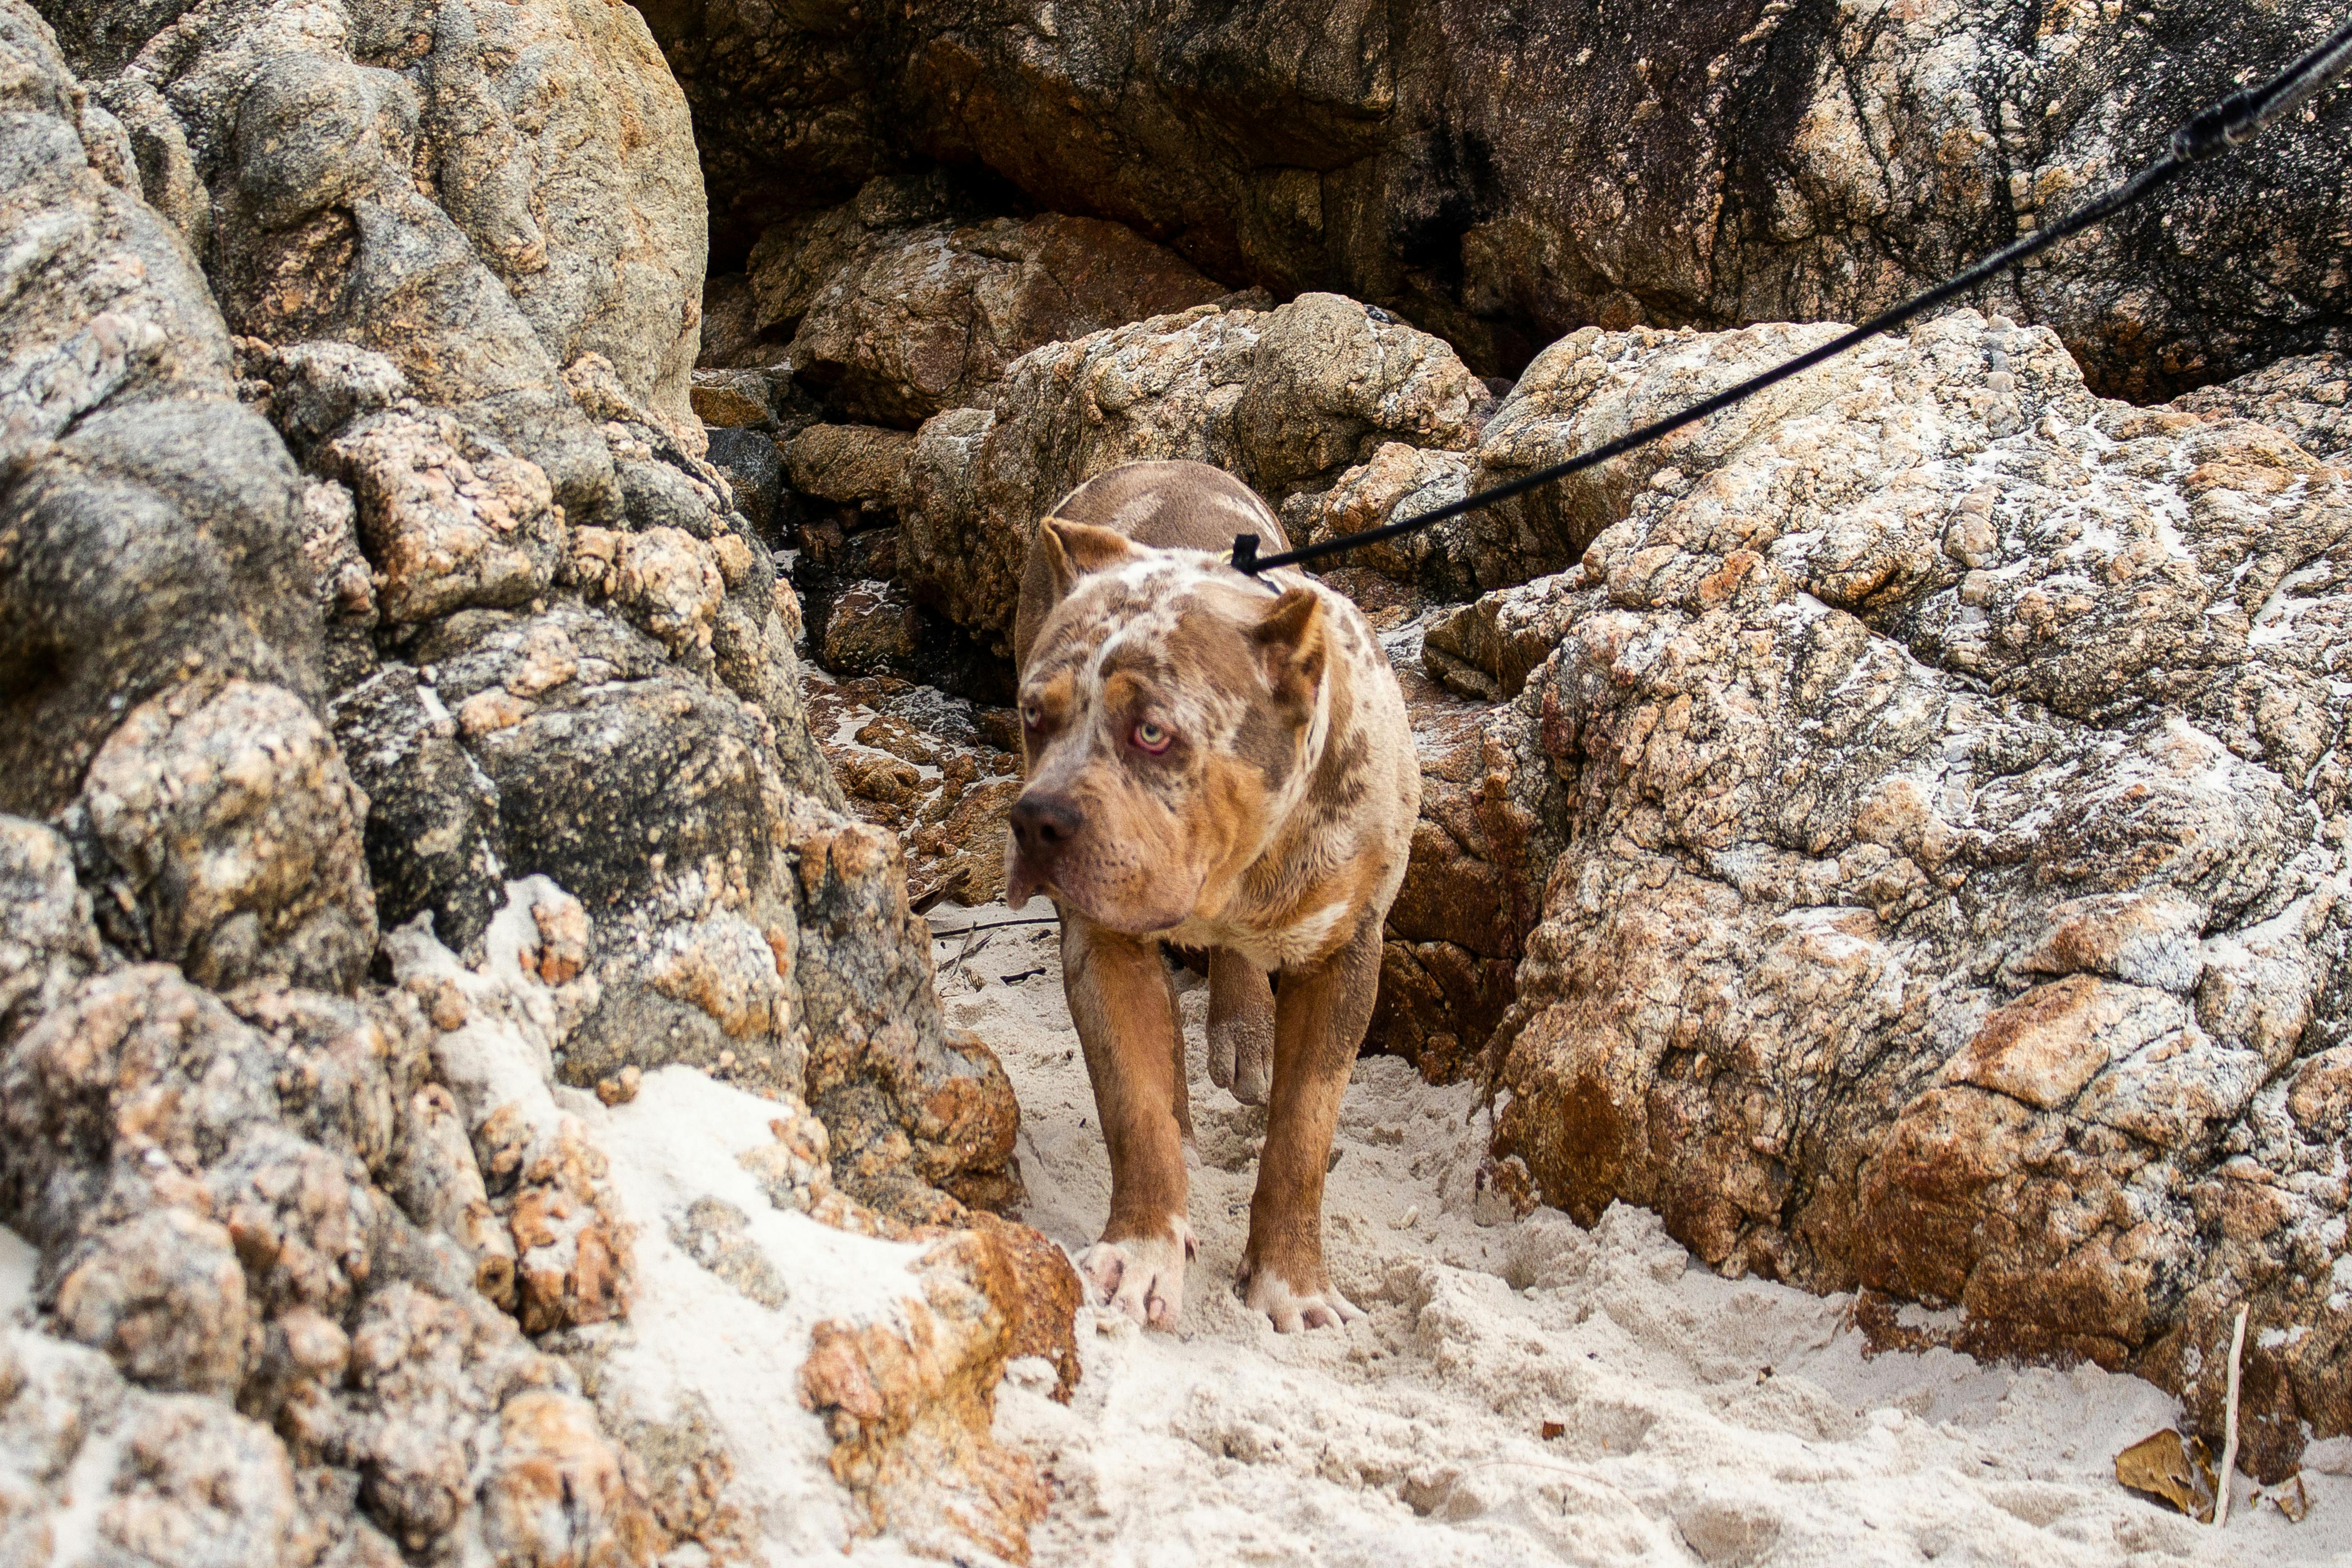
x=1023, y=881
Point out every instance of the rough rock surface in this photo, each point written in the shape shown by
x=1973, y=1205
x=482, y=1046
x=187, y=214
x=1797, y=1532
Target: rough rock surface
x=1287, y=399
x=941, y=771
x=2305, y=398
x=1504, y=179
x=1473, y=886
x=419, y=738
x=1953, y=881
x=896, y=310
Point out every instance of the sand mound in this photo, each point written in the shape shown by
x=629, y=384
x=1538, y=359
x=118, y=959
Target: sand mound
x=1724, y=1421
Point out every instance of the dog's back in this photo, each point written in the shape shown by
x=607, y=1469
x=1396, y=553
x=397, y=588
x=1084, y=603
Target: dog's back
x=1167, y=506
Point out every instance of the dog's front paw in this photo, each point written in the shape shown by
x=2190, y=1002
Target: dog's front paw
x=1265, y=1291
x=1142, y=1276
x=1241, y=1057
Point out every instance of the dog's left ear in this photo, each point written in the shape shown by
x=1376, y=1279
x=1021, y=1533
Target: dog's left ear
x=1076, y=550
x=1289, y=637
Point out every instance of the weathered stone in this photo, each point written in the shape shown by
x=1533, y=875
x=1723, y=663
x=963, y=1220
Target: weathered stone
x=1943, y=775
x=565, y=217
x=433, y=813
x=910, y=1409
x=754, y=475
x=1323, y=382
x=935, y=770
x=47, y=942
x=2308, y=398
x=1399, y=481
x=149, y=525
x=548, y=642
x=735, y=399
x=853, y=465
x=892, y=324
x=187, y=776
x=1503, y=180
x=870, y=629
x=176, y=1479
x=1473, y=886
x=450, y=518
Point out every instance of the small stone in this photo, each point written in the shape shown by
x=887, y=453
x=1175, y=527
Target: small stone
x=449, y=1010
x=621, y=1088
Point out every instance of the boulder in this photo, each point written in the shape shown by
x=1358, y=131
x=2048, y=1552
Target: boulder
x=2303, y=397
x=893, y=321
x=1503, y=180
x=1473, y=886
x=1947, y=899
x=1287, y=399
x=155, y=526
x=566, y=216
x=326, y=649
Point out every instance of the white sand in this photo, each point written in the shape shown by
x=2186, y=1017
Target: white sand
x=693, y=1344
x=17, y=1262
x=1705, y=1419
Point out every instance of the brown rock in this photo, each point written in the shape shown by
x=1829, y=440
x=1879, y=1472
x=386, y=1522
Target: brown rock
x=904, y=321
x=910, y=1409
x=1325, y=384
x=1506, y=184
x=556, y=1493
x=850, y=464
x=734, y=399
x=1939, y=898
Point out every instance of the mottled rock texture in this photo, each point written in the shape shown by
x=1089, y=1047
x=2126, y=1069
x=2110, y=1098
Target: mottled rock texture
x=1502, y=178
x=896, y=310
x=551, y=643
x=1950, y=787
x=402, y=733
x=1288, y=399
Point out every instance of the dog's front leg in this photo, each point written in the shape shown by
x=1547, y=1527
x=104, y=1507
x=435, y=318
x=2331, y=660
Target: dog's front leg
x=1319, y=1018
x=1124, y=1009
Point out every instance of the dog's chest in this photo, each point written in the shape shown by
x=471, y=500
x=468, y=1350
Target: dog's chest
x=1293, y=945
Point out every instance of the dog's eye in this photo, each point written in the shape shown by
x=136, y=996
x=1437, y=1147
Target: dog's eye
x=1032, y=715
x=1152, y=737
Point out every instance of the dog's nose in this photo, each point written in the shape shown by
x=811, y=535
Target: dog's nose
x=1043, y=823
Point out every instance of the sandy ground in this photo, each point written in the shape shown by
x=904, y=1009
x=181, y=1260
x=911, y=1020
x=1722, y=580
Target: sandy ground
x=1697, y=1418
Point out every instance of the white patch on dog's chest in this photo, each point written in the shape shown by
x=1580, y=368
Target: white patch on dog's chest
x=1301, y=942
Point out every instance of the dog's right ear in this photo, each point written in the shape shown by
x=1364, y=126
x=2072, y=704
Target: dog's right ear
x=1076, y=550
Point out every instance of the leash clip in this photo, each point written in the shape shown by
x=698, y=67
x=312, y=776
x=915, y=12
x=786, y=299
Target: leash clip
x=1245, y=553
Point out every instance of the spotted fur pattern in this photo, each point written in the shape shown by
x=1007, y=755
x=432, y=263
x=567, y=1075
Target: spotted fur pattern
x=1219, y=763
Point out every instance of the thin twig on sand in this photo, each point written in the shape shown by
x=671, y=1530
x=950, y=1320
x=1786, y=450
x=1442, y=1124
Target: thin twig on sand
x=2229, y=1427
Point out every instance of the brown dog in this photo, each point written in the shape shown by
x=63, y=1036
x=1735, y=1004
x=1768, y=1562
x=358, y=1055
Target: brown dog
x=1219, y=762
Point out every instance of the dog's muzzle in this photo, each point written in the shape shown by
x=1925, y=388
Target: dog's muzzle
x=1043, y=825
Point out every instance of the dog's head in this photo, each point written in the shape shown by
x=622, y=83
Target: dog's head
x=1170, y=710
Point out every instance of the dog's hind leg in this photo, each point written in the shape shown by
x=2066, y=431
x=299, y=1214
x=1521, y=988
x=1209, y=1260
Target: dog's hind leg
x=1124, y=1004
x=1320, y=1019
x=1240, y=1026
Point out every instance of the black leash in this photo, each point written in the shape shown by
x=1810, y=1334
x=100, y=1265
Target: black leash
x=2230, y=123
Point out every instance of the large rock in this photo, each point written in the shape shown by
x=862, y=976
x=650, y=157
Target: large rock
x=408, y=600
x=2308, y=398
x=1954, y=845
x=898, y=312
x=1507, y=180
x=1473, y=887
x=1287, y=399
x=150, y=528
x=484, y=202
